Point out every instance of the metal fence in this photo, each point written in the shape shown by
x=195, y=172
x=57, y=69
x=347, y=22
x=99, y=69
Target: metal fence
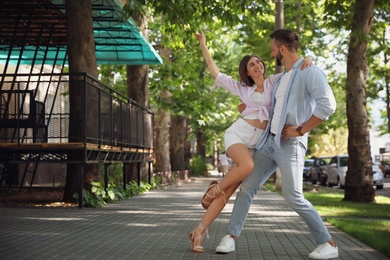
x=36, y=109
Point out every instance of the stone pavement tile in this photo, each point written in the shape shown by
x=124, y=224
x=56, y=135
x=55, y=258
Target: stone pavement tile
x=155, y=225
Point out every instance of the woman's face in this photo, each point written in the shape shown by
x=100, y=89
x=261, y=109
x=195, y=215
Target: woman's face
x=255, y=68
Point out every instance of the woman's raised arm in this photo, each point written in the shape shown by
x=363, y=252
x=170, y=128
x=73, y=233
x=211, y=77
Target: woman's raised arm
x=212, y=67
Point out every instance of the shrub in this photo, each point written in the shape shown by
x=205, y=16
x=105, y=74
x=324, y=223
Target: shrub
x=198, y=166
x=99, y=196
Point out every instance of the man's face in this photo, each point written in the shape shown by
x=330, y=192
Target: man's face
x=275, y=53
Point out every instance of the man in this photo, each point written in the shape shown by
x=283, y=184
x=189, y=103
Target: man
x=301, y=101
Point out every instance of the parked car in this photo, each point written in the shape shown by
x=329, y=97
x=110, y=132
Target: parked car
x=336, y=171
x=306, y=168
x=378, y=177
x=318, y=170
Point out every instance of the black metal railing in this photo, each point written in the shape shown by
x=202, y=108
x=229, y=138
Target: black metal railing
x=36, y=109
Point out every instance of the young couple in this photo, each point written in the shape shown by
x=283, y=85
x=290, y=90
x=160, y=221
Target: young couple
x=273, y=131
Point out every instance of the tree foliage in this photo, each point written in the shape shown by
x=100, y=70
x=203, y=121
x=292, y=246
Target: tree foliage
x=339, y=18
x=238, y=27
x=233, y=29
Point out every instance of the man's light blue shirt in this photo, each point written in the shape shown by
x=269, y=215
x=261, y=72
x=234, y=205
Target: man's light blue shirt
x=308, y=93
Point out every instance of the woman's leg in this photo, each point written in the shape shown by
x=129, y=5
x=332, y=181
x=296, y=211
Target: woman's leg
x=244, y=164
x=243, y=160
x=210, y=215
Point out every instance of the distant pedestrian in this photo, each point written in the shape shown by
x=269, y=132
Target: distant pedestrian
x=223, y=162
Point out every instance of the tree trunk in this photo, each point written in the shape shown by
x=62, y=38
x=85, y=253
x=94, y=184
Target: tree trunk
x=187, y=148
x=387, y=87
x=298, y=7
x=137, y=84
x=359, y=186
x=178, y=135
x=216, y=153
x=81, y=55
x=201, y=143
x=161, y=139
x=138, y=76
x=162, y=120
x=137, y=90
x=279, y=23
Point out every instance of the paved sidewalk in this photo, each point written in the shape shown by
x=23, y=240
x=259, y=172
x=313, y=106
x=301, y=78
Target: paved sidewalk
x=155, y=225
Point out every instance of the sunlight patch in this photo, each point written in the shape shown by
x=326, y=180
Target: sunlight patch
x=141, y=225
x=55, y=219
x=275, y=213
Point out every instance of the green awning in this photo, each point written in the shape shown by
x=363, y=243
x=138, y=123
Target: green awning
x=117, y=41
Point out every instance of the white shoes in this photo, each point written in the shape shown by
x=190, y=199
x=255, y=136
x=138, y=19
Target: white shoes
x=324, y=251
x=227, y=245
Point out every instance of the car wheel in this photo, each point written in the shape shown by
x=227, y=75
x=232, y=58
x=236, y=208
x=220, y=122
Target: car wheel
x=322, y=179
x=379, y=187
x=339, y=183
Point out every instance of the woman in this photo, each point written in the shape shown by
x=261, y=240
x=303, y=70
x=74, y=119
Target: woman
x=240, y=138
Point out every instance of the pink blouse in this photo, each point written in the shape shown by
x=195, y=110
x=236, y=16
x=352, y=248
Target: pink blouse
x=244, y=92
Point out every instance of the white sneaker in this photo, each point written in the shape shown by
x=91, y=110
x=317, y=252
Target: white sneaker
x=325, y=251
x=227, y=245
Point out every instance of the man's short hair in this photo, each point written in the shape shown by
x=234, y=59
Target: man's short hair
x=285, y=37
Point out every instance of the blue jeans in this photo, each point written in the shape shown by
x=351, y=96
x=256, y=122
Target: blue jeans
x=290, y=159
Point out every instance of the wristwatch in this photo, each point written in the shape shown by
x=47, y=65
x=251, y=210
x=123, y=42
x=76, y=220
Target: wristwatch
x=299, y=130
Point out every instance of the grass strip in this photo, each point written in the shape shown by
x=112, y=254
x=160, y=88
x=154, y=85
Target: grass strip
x=367, y=222
x=374, y=233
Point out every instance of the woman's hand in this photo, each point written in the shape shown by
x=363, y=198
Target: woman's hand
x=206, y=54
x=201, y=38
x=307, y=62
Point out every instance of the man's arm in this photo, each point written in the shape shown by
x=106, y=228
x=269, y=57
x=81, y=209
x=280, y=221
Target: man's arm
x=325, y=104
x=291, y=130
